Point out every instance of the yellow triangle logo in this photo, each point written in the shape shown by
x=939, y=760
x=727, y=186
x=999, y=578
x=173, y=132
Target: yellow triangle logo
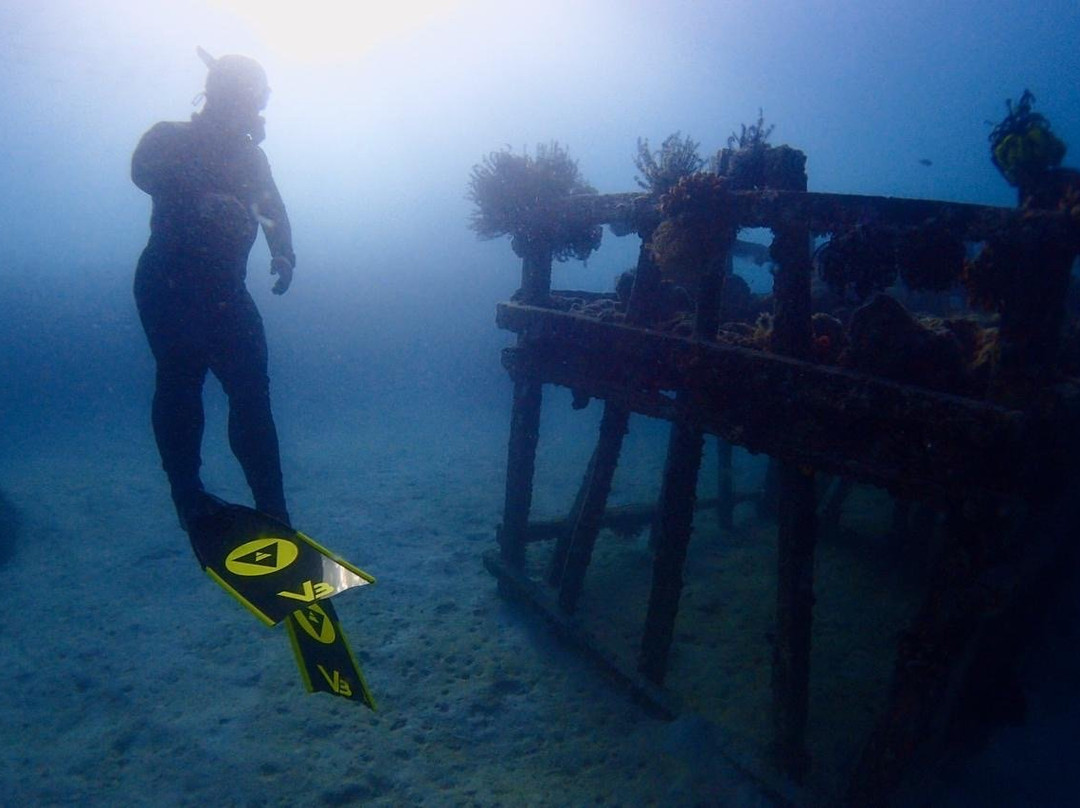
x=261, y=557
x=315, y=623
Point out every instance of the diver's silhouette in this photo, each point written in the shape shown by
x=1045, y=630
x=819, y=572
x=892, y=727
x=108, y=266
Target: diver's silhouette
x=212, y=189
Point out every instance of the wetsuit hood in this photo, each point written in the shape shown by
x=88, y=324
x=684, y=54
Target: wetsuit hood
x=235, y=81
x=236, y=91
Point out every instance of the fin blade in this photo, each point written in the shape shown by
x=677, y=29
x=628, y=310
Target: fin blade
x=266, y=565
x=326, y=661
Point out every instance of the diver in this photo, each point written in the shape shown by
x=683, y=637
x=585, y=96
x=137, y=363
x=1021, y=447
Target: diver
x=212, y=190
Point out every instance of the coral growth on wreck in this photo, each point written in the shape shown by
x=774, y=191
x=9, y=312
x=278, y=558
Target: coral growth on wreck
x=661, y=170
x=523, y=196
x=749, y=161
x=950, y=355
x=1022, y=147
x=858, y=261
x=930, y=258
x=988, y=274
x=865, y=259
x=754, y=136
x=694, y=226
x=830, y=338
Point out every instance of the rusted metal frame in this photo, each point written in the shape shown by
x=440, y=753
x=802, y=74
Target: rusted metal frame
x=656, y=700
x=918, y=443
x=524, y=422
x=554, y=360
x=710, y=289
x=989, y=584
x=515, y=583
x=725, y=485
x=832, y=505
x=536, y=276
x=1032, y=313
x=565, y=534
x=935, y=653
x=678, y=490
x=1032, y=308
x=641, y=308
x=796, y=519
x=674, y=526
x=573, y=550
x=586, y=522
x=825, y=212
x=796, y=537
x=624, y=519
x=520, y=468
x=769, y=503
x=725, y=478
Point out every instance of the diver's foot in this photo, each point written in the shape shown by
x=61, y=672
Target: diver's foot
x=280, y=514
x=272, y=503
x=194, y=506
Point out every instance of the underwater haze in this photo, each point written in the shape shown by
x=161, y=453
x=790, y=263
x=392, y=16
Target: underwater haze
x=142, y=683
x=372, y=134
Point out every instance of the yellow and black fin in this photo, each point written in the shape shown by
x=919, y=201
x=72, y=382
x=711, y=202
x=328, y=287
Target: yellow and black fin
x=327, y=663
x=266, y=565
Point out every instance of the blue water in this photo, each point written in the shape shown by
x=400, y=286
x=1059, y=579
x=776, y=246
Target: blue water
x=387, y=386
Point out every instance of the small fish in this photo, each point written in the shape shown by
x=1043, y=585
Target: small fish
x=925, y=162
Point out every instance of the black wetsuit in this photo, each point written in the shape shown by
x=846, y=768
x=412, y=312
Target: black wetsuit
x=211, y=190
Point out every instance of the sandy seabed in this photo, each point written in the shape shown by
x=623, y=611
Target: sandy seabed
x=131, y=679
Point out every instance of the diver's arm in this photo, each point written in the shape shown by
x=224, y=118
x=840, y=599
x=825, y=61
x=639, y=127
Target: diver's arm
x=275, y=224
x=278, y=232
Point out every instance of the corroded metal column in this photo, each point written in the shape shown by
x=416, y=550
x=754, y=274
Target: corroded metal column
x=674, y=526
x=796, y=528
x=524, y=419
x=725, y=485
x=678, y=491
x=573, y=551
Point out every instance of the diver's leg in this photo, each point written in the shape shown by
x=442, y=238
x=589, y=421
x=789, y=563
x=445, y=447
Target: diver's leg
x=178, y=420
x=239, y=360
x=171, y=323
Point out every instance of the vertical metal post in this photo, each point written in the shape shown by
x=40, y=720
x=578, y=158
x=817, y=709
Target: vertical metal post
x=1031, y=316
x=725, y=485
x=674, y=525
x=536, y=276
x=641, y=309
x=520, y=468
x=573, y=551
x=524, y=419
x=675, y=518
x=725, y=479
x=796, y=526
x=585, y=526
x=794, y=615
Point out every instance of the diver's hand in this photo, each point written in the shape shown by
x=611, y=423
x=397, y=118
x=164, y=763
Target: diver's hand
x=283, y=268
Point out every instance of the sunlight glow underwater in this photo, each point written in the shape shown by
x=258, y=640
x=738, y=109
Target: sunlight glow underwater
x=320, y=31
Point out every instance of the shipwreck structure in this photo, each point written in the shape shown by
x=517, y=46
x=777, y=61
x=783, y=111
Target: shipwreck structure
x=971, y=419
